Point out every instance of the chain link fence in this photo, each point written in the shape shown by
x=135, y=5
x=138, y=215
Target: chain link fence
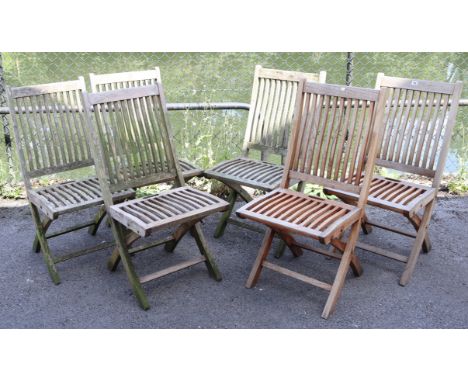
x=208, y=136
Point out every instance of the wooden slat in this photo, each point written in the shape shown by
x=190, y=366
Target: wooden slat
x=324, y=181
x=382, y=252
x=418, y=85
x=404, y=167
x=173, y=269
x=287, y=75
x=122, y=94
x=36, y=90
x=124, y=78
x=342, y=91
x=296, y=275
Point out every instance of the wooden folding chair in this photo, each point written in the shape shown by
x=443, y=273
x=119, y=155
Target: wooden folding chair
x=114, y=81
x=419, y=118
x=268, y=128
x=335, y=133
x=134, y=148
x=49, y=129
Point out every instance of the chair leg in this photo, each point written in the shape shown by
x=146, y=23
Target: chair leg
x=241, y=192
x=421, y=234
x=226, y=214
x=45, y=224
x=128, y=265
x=97, y=221
x=415, y=220
x=355, y=263
x=366, y=228
x=340, y=277
x=205, y=251
x=291, y=243
x=280, y=249
x=178, y=235
x=262, y=254
x=115, y=257
x=46, y=254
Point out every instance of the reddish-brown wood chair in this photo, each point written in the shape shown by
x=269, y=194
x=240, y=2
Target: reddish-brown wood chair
x=335, y=134
x=419, y=118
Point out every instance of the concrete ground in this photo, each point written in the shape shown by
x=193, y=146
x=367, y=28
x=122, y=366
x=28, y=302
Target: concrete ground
x=92, y=297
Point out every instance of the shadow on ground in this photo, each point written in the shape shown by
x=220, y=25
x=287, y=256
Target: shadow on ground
x=92, y=297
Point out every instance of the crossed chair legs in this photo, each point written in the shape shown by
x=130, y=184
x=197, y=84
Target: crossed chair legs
x=40, y=243
x=421, y=236
x=124, y=252
x=92, y=230
x=346, y=256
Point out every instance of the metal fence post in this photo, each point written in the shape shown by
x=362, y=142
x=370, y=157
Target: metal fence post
x=349, y=68
x=5, y=122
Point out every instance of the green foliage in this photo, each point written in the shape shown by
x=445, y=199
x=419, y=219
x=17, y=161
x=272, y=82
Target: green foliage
x=208, y=137
x=459, y=184
x=388, y=173
x=315, y=190
x=11, y=191
x=152, y=190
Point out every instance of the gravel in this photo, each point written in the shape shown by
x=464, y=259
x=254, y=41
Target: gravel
x=92, y=297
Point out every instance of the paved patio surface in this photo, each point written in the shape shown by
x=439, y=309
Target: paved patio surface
x=92, y=297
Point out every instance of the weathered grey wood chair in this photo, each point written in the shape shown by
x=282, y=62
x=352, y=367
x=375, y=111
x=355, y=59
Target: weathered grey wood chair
x=49, y=128
x=419, y=118
x=268, y=128
x=332, y=138
x=134, y=148
x=114, y=81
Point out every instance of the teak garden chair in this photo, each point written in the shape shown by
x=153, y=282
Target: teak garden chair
x=134, y=148
x=49, y=128
x=419, y=118
x=335, y=133
x=268, y=128
x=114, y=81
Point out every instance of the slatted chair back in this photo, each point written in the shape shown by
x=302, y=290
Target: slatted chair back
x=335, y=136
x=114, y=81
x=272, y=103
x=50, y=128
x=419, y=119
x=133, y=138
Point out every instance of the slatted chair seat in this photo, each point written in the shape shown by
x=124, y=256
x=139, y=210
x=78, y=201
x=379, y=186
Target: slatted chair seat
x=393, y=194
x=166, y=209
x=302, y=214
x=249, y=172
x=72, y=196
